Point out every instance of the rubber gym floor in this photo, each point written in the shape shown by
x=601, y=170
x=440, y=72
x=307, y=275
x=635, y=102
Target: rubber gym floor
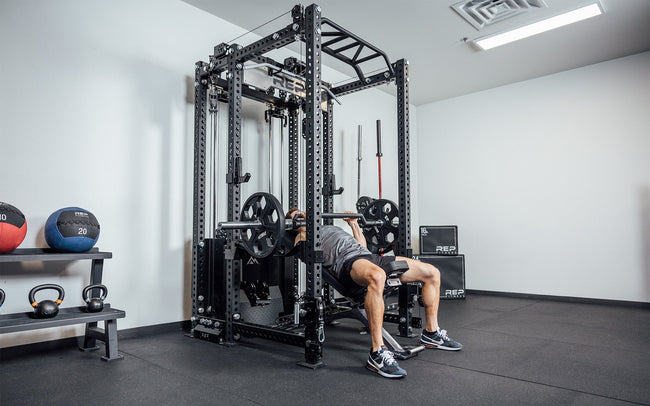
x=517, y=351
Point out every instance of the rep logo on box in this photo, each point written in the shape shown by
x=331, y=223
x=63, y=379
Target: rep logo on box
x=445, y=248
x=454, y=292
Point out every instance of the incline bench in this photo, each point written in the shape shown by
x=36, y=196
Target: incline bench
x=356, y=310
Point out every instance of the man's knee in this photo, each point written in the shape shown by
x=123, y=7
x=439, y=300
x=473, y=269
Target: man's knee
x=376, y=279
x=430, y=273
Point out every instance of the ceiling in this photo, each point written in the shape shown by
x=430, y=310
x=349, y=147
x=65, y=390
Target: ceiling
x=434, y=39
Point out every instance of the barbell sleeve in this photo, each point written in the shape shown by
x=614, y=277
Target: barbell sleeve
x=239, y=225
x=373, y=223
x=362, y=220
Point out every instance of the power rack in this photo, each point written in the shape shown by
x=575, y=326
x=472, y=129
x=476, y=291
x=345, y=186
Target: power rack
x=217, y=257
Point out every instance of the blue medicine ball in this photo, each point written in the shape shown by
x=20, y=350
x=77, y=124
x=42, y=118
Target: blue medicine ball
x=71, y=229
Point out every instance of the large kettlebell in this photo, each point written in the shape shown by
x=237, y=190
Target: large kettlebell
x=47, y=308
x=94, y=304
x=2, y=297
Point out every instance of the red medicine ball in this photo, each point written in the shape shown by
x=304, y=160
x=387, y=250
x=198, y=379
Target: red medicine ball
x=13, y=227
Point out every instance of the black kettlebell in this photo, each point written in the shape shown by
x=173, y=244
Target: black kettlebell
x=2, y=297
x=46, y=308
x=94, y=304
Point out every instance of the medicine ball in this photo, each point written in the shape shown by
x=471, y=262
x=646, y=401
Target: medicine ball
x=13, y=227
x=71, y=229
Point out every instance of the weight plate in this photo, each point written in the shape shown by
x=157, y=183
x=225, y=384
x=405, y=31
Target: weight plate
x=381, y=239
x=262, y=241
x=363, y=202
x=288, y=245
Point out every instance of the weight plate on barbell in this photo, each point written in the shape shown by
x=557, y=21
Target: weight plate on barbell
x=363, y=202
x=380, y=240
x=262, y=241
x=288, y=245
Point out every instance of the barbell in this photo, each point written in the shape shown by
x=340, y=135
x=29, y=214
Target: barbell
x=294, y=223
x=263, y=224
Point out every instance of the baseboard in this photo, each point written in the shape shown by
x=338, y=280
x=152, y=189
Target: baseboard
x=570, y=299
x=44, y=346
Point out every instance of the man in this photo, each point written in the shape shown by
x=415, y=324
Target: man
x=347, y=258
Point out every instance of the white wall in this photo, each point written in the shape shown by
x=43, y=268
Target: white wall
x=93, y=114
x=548, y=181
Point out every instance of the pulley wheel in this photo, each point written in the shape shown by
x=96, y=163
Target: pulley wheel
x=380, y=240
x=262, y=241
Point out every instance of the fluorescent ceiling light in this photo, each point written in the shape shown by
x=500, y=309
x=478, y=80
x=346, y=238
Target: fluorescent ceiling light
x=548, y=24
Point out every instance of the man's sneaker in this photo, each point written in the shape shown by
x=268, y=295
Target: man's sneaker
x=384, y=364
x=439, y=340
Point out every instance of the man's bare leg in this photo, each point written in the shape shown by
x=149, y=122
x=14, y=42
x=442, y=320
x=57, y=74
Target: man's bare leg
x=367, y=274
x=430, y=276
x=380, y=360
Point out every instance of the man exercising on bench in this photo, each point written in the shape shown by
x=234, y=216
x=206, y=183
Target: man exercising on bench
x=347, y=258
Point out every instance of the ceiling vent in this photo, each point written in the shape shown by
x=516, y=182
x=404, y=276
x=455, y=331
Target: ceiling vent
x=481, y=13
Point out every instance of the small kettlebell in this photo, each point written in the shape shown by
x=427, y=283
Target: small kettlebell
x=46, y=308
x=94, y=304
x=2, y=297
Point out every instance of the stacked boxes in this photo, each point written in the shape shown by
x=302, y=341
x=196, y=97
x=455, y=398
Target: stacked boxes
x=439, y=247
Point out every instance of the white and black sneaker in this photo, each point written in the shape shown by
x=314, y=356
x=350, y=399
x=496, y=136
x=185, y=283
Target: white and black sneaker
x=384, y=364
x=440, y=340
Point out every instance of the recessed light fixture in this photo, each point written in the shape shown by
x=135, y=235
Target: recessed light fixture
x=538, y=27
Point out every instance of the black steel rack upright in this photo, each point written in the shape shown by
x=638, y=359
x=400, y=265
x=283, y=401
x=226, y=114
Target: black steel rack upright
x=215, y=291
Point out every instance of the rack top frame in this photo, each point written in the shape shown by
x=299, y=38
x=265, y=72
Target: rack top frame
x=336, y=42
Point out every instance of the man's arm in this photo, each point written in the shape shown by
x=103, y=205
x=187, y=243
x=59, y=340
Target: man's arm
x=300, y=236
x=301, y=232
x=356, y=230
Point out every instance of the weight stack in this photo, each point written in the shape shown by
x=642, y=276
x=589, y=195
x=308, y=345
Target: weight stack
x=439, y=240
x=452, y=273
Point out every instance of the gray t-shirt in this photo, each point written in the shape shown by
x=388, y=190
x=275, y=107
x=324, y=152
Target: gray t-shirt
x=338, y=247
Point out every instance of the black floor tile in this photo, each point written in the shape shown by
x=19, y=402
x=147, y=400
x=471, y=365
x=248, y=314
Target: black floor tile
x=596, y=325
x=70, y=377
x=516, y=352
x=613, y=373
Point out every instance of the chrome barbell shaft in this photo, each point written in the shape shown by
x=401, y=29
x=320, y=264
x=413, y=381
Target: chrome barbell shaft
x=291, y=224
x=362, y=220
